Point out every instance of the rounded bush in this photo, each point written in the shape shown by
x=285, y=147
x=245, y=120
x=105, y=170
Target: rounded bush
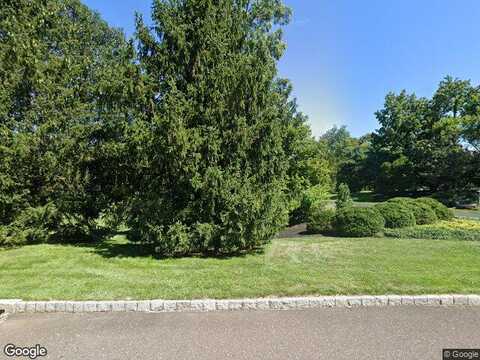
x=321, y=220
x=442, y=212
x=396, y=215
x=424, y=214
x=359, y=222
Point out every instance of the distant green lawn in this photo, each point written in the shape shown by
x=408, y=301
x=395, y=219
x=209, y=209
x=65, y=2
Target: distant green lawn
x=307, y=266
x=467, y=214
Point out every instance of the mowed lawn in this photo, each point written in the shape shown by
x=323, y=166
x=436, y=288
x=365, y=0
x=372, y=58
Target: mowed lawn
x=287, y=267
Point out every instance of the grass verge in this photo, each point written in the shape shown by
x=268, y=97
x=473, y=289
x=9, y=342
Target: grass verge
x=286, y=267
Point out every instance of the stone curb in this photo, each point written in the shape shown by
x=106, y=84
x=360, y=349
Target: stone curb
x=290, y=303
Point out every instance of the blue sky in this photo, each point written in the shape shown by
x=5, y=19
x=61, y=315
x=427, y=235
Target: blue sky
x=343, y=56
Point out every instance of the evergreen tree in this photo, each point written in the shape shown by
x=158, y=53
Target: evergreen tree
x=63, y=72
x=217, y=136
x=344, y=199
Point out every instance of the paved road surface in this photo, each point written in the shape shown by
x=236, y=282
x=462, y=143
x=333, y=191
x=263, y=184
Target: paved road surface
x=362, y=333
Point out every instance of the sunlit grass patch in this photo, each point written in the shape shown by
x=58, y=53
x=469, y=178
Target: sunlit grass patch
x=286, y=267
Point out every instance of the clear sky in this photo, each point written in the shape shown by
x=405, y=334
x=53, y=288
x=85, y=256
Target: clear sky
x=343, y=56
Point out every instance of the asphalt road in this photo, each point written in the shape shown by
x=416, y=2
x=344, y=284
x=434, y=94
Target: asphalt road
x=361, y=333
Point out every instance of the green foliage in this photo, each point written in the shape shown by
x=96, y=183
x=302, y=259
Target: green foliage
x=470, y=128
x=195, y=144
x=424, y=213
x=396, y=214
x=402, y=200
x=62, y=75
x=220, y=140
x=433, y=233
x=312, y=198
x=309, y=166
x=347, y=158
x=321, y=221
x=357, y=171
x=444, y=230
x=31, y=225
x=344, y=200
x=428, y=145
x=442, y=212
x=359, y=222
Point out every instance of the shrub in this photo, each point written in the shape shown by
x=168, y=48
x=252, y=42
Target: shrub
x=9, y=236
x=396, y=215
x=32, y=225
x=203, y=235
x=442, y=212
x=344, y=199
x=401, y=200
x=312, y=199
x=75, y=234
x=444, y=230
x=359, y=222
x=321, y=220
x=424, y=214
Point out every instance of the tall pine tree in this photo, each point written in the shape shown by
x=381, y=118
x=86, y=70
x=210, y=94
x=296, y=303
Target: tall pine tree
x=218, y=130
x=63, y=72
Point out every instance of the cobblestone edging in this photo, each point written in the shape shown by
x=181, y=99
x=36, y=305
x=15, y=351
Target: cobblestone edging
x=19, y=306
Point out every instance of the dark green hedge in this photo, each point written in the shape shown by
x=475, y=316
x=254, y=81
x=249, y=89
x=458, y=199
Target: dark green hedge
x=424, y=213
x=396, y=215
x=359, y=222
x=442, y=212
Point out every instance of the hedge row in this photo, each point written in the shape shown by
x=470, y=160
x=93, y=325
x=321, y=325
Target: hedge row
x=393, y=214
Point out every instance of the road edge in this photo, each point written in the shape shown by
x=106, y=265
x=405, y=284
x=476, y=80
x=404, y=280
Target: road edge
x=210, y=305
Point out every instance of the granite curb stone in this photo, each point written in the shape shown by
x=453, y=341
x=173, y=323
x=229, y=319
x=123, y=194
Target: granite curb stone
x=286, y=303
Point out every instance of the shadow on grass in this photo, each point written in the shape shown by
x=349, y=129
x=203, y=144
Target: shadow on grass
x=132, y=250
x=109, y=247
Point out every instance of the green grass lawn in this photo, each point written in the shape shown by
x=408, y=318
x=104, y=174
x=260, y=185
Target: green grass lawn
x=307, y=266
x=467, y=214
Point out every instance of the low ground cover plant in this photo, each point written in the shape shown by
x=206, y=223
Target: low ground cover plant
x=456, y=229
x=464, y=224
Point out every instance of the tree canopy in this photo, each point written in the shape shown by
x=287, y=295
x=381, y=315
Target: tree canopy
x=62, y=72
x=220, y=140
x=422, y=145
x=192, y=140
